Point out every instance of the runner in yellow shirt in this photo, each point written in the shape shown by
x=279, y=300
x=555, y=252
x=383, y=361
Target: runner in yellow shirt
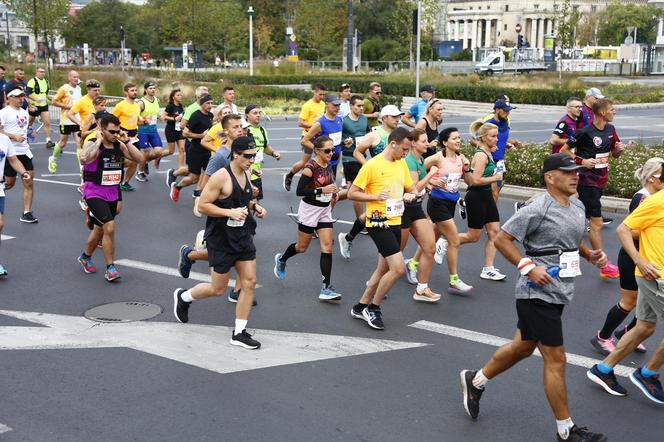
x=128, y=111
x=68, y=94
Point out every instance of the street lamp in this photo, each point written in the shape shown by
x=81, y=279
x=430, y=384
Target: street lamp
x=250, y=11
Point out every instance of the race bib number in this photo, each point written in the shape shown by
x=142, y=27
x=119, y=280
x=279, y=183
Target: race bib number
x=570, y=265
x=151, y=119
x=29, y=154
x=234, y=223
x=177, y=126
x=336, y=138
x=602, y=160
x=259, y=157
x=452, y=182
x=41, y=101
x=500, y=166
x=394, y=207
x=111, y=177
x=323, y=198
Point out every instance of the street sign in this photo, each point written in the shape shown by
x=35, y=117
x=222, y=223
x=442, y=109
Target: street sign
x=518, y=28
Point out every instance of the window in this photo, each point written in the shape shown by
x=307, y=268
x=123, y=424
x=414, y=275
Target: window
x=536, y=6
x=507, y=8
x=593, y=8
x=23, y=41
x=505, y=28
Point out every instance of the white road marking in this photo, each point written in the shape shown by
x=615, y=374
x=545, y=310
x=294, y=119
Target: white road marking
x=60, y=174
x=497, y=341
x=4, y=429
x=203, y=346
x=42, y=180
x=5, y=237
x=340, y=221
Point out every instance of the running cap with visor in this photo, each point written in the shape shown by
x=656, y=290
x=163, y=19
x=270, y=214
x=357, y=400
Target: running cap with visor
x=16, y=92
x=560, y=161
x=241, y=144
x=594, y=92
x=390, y=111
x=332, y=98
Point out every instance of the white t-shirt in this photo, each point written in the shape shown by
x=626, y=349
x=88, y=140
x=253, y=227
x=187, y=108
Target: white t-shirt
x=15, y=122
x=234, y=109
x=6, y=151
x=344, y=109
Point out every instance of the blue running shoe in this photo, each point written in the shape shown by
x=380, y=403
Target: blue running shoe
x=329, y=294
x=31, y=135
x=650, y=386
x=184, y=263
x=279, y=267
x=3, y=271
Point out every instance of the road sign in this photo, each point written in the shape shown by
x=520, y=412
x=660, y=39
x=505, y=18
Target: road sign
x=518, y=28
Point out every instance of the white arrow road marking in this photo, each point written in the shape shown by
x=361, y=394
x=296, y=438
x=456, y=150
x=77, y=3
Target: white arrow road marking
x=4, y=429
x=5, y=237
x=204, y=346
x=497, y=341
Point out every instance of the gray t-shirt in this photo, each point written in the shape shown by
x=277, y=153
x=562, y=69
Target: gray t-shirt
x=218, y=161
x=544, y=224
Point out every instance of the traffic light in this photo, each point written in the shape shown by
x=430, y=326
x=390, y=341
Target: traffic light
x=520, y=43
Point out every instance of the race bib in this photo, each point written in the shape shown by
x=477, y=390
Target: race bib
x=394, y=207
x=234, y=223
x=500, y=166
x=570, y=265
x=259, y=157
x=602, y=160
x=41, y=101
x=323, y=198
x=336, y=138
x=151, y=119
x=177, y=126
x=29, y=154
x=452, y=181
x=111, y=177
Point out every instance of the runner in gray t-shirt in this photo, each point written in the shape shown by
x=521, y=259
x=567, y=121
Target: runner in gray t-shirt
x=551, y=230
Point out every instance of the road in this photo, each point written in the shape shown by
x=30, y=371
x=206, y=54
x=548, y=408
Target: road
x=320, y=375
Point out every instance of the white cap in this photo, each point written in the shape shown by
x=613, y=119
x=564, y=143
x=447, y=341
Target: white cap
x=16, y=92
x=245, y=124
x=391, y=111
x=594, y=92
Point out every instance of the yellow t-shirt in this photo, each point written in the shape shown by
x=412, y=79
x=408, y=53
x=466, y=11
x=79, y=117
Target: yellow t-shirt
x=378, y=174
x=64, y=95
x=83, y=107
x=128, y=114
x=90, y=136
x=648, y=219
x=216, y=140
x=311, y=111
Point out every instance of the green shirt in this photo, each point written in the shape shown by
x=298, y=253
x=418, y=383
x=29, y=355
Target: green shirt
x=416, y=166
x=193, y=107
x=261, y=140
x=353, y=129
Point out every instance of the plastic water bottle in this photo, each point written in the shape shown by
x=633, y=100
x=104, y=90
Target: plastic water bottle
x=551, y=270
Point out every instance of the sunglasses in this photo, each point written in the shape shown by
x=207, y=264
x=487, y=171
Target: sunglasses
x=327, y=150
x=249, y=156
x=378, y=93
x=113, y=131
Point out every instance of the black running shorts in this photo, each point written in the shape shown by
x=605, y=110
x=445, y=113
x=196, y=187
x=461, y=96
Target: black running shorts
x=440, y=209
x=411, y=214
x=100, y=211
x=388, y=241
x=591, y=197
x=540, y=321
x=481, y=208
x=27, y=164
x=68, y=129
x=351, y=170
x=221, y=261
x=627, y=267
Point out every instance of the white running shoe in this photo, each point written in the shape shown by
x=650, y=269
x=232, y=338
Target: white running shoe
x=344, y=245
x=441, y=250
x=411, y=272
x=492, y=274
x=199, y=244
x=459, y=288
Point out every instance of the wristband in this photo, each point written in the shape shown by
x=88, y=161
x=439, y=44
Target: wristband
x=525, y=266
x=578, y=160
x=318, y=191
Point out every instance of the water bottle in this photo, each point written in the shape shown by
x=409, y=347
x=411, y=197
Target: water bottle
x=551, y=270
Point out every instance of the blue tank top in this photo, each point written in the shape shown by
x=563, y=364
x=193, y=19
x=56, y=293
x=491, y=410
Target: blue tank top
x=332, y=129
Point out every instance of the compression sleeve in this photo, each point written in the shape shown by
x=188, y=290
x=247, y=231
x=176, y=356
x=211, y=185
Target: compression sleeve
x=303, y=188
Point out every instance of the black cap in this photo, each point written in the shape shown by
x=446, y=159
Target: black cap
x=148, y=84
x=427, y=88
x=332, y=98
x=560, y=161
x=205, y=98
x=243, y=143
x=101, y=114
x=250, y=107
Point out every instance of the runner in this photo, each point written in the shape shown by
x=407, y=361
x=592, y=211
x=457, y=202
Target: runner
x=592, y=147
x=80, y=112
x=229, y=100
x=198, y=156
x=317, y=189
x=253, y=115
x=355, y=127
x=344, y=95
x=189, y=111
x=8, y=158
x=372, y=106
x=311, y=111
x=103, y=161
x=418, y=109
x=381, y=183
x=37, y=93
x=541, y=297
x=3, y=83
x=17, y=81
x=228, y=203
x=647, y=221
x=149, y=141
x=567, y=125
x=68, y=94
x=329, y=125
x=480, y=204
x=649, y=177
x=128, y=111
x=433, y=116
x=588, y=115
x=415, y=221
x=14, y=124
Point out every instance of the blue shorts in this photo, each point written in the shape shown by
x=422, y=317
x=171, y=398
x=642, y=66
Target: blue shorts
x=148, y=140
x=2, y=205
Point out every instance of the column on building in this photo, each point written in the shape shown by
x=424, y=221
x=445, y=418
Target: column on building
x=475, y=42
x=541, y=33
x=533, y=33
x=499, y=31
x=549, y=26
x=457, y=30
x=487, y=33
x=466, y=33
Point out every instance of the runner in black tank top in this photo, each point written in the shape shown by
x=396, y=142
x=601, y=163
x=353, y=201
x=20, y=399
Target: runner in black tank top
x=429, y=123
x=228, y=202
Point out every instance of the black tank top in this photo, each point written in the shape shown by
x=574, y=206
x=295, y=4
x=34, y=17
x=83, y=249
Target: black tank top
x=432, y=134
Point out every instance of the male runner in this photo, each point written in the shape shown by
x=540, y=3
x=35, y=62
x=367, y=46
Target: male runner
x=371, y=103
x=355, y=127
x=417, y=110
x=253, y=115
x=149, y=140
x=227, y=201
x=567, y=125
x=330, y=125
x=539, y=306
x=128, y=112
x=344, y=95
x=37, y=92
x=68, y=94
x=229, y=100
x=587, y=114
x=17, y=81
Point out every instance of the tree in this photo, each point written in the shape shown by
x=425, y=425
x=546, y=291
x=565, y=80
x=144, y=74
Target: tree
x=320, y=27
x=98, y=25
x=587, y=30
x=567, y=19
x=617, y=17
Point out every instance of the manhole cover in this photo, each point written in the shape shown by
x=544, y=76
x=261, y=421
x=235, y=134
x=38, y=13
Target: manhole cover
x=127, y=311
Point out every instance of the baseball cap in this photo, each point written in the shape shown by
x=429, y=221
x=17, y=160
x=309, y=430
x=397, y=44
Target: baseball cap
x=16, y=92
x=594, y=92
x=332, y=98
x=391, y=111
x=243, y=143
x=148, y=84
x=503, y=104
x=559, y=161
x=245, y=124
x=250, y=107
x=427, y=88
x=101, y=114
x=205, y=98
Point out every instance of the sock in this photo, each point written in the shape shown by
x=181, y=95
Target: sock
x=631, y=325
x=289, y=253
x=290, y=175
x=240, y=325
x=186, y=296
x=326, y=267
x=614, y=317
x=57, y=151
x=412, y=264
x=603, y=368
x=358, y=225
x=564, y=427
x=454, y=279
x=178, y=185
x=373, y=306
x=487, y=269
x=421, y=287
x=108, y=266
x=85, y=256
x=647, y=373
x=480, y=380
x=360, y=306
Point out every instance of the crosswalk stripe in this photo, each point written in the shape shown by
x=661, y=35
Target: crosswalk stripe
x=5, y=237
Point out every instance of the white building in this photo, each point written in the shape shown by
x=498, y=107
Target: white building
x=490, y=23
x=13, y=33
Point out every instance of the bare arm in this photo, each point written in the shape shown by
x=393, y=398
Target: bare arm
x=649, y=270
x=189, y=134
x=90, y=151
x=74, y=117
x=207, y=141
x=131, y=151
x=586, y=162
x=212, y=191
x=369, y=140
x=303, y=123
x=556, y=140
x=408, y=120
x=475, y=178
x=309, y=136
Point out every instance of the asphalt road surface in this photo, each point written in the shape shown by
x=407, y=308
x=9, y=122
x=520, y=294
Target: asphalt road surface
x=320, y=374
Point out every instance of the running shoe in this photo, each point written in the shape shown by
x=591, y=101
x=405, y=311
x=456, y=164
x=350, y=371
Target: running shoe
x=180, y=307
x=411, y=271
x=140, y=176
x=52, y=164
x=356, y=312
x=195, y=209
x=329, y=294
x=344, y=245
x=157, y=163
x=3, y=271
x=286, y=182
x=184, y=263
x=199, y=243
x=621, y=332
x=609, y=271
x=518, y=205
x=604, y=346
x=582, y=434
x=606, y=221
x=279, y=267
x=234, y=297
x=459, y=288
x=50, y=144
x=650, y=386
x=195, y=194
x=607, y=381
x=426, y=296
x=462, y=208
x=80, y=189
x=31, y=135
x=86, y=263
x=244, y=340
x=175, y=193
x=492, y=274
x=441, y=250
x=471, y=394
x=112, y=273
x=374, y=318
x=126, y=187
x=29, y=218
x=83, y=204
x=170, y=177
